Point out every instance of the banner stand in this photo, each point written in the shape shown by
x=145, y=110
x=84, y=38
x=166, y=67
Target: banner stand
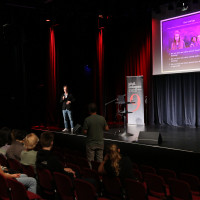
x=135, y=97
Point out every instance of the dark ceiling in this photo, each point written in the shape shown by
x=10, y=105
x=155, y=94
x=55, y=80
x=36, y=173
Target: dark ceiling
x=58, y=10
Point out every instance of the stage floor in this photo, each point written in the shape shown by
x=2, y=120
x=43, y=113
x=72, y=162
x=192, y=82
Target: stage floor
x=174, y=138
x=177, y=138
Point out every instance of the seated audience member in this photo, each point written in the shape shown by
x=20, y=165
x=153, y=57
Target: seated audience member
x=46, y=159
x=29, y=182
x=28, y=156
x=193, y=42
x=115, y=164
x=17, y=146
x=5, y=140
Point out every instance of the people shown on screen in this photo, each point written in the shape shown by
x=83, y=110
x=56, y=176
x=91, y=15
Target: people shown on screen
x=177, y=43
x=193, y=42
x=198, y=40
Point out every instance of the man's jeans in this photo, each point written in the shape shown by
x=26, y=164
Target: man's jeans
x=29, y=182
x=69, y=113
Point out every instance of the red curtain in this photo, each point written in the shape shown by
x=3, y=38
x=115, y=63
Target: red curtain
x=100, y=74
x=139, y=63
x=51, y=101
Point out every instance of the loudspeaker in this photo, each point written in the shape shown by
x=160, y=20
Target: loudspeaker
x=77, y=129
x=149, y=137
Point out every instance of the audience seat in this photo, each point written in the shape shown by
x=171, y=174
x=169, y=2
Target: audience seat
x=138, y=174
x=166, y=174
x=135, y=166
x=90, y=173
x=147, y=169
x=82, y=162
x=14, y=165
x=45, y=181
x=112, y=187
x=135, y=190
x=4, y=188
x=19, y=192
x=64, y=186
x=180, y=190
x=155, y=185
x=85, y=190
x=193, y=181
x=28, y=170
x=3, y=160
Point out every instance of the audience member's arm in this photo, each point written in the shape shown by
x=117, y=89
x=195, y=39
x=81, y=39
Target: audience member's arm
x=101, y=166
x=85, y=127
x=9, y=175
x=107, y=128
x=69, y=170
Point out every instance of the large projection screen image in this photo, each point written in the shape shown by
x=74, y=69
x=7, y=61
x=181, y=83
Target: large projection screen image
x=179, y=48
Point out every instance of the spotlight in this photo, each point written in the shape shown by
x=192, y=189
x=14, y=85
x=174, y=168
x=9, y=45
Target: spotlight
x=182, y=5
x=101, y=22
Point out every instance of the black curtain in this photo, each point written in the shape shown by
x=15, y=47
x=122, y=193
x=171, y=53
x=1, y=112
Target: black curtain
x=176, y=100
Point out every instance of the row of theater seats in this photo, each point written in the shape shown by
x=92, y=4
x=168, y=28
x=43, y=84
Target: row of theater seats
x=161, y=183
x=56, y=186
x=11, y=189
x=151, y=184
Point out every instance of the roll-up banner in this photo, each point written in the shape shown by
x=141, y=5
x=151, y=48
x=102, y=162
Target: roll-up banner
x=135, y=100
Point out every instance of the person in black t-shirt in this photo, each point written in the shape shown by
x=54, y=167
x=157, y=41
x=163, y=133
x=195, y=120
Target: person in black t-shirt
x=46, y=159
x=115, y=164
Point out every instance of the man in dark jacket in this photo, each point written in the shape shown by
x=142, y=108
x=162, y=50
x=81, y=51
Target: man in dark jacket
x=66, y=100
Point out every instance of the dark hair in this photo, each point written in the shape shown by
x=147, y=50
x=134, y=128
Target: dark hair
x=193, y=37
x=18, y=134
x=92, y=107
x=46, y=139
x=4, y=136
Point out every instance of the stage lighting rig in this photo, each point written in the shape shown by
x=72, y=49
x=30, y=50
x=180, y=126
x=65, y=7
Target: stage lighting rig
x=182, y=5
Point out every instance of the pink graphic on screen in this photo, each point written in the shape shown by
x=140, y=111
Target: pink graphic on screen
x=180, y=43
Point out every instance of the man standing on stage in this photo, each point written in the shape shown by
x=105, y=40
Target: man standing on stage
x=66, y=100
x=94, y=127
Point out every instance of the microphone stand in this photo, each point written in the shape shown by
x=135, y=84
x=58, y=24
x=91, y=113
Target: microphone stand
x=107, y=104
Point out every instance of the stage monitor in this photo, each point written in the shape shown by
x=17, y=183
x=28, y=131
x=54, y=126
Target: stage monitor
x=176, y=44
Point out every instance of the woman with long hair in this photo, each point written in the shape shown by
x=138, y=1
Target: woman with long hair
x=177, y=43
x=115, y=164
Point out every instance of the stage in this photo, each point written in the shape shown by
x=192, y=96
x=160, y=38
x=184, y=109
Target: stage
x=179, y=150
x=175, y=138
